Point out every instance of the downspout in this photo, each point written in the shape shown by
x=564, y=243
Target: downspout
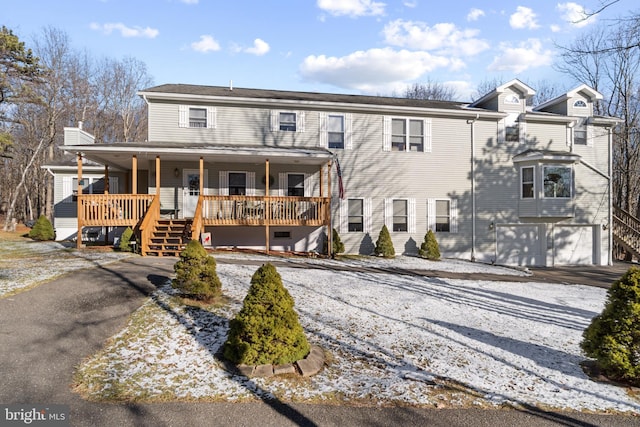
x=610, y=216
x=473, y=187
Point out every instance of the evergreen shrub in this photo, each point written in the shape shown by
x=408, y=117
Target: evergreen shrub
x=42, y=229
x=337, y=247
x=430, y=248
x=125, y=240
x=613, y=337
x=196, y=275
x=384, y=245
x=266, y=330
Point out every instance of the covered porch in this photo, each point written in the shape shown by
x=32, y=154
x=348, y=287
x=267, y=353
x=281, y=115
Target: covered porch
x=178, y=191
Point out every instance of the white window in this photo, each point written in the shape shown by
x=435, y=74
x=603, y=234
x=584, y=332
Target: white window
x=510, y=129
x=92, y=185
x=527, y=180
x=197, y=117
x=580, y=104
x=400, y=215
x=580, y=132
x=356, y=215
x=557, y=181
x=511, y=99
x=335, y=131
x=406, y=134
x=287, y=121
x=442, y=215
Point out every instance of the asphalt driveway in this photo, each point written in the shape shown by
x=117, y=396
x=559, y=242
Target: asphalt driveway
x=47, y=331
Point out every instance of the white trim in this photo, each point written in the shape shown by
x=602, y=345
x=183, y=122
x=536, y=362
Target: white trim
x=431, y=214
x=386, y=133
x=282, y=184
x=367, y=208
x=183, y=116
x=522, y=168
x=212, y=118
x=428, y=138
x=348, y=131
x=343, y=220
x=411, y=215
x=501, y=131
x=453, y=215
x=223, y=183
x=251, y=183
x=308, y=185
x=323, y=137
x=388, y=214
x=522, y=131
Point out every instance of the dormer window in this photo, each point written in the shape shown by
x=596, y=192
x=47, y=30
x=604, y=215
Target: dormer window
x=511, y=99
x=580, y=104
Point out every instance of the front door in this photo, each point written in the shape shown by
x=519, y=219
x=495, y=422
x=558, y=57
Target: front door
x=191, y=190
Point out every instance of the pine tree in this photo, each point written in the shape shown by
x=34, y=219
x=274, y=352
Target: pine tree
x=266, y=330
x=196, y=275
x=613, y=337
x=430, y=248
x=125, y=240
x=384, y=245
x=42, y=229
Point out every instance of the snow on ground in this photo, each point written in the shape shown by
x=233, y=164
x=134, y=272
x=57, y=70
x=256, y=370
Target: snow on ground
x=391, y=339
x=25, y=263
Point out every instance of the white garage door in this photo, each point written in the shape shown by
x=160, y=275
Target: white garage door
x=519, y=245
x=573, y=245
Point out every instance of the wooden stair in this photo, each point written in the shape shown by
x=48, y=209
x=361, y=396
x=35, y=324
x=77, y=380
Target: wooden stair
x=626, y=234
x=169, y=237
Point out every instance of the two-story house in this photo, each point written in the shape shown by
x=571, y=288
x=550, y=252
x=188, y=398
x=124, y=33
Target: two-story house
x=496, y=180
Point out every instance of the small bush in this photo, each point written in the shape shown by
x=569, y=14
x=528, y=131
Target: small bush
x=337, y=247
x=42, y=229
x=196, y=275
x=613, y=337
x=384, y=245
x=125, y=240
x=430, y=248
x=266, y=330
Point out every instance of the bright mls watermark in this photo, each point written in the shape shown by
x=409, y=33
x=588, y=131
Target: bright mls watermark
x=34, y=415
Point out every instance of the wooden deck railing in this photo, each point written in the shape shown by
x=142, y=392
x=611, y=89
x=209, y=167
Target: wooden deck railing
x=148, y=224
x=260, y=210
x=626, y=231
x=112, y=210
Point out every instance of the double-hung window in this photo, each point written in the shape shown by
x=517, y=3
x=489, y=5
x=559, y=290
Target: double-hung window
x=287, y=121
x=407, y=135
x=335, y=131
x=527, y=180
x=400, y=215
x=197, y=117
x=443, y=215
x=356, y=215
x=580, y=132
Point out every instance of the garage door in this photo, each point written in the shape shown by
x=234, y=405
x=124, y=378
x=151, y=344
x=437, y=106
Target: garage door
x=519, y=245
x=573, y=245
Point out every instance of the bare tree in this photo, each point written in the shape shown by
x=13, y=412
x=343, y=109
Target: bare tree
x=432, y=91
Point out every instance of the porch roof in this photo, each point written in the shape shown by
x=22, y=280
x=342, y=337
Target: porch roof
x=119, y=154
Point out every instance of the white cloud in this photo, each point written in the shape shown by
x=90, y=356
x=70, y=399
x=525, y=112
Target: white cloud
x=410, y=4
x=574, y=14
x=190, y=1
x=352, y=8
x=206, y=44
x=260, y=47
x=523, y=18
x=528, y=54
x=555, y=28
x=475, y=14
x=443, y=37
x=373, y=70
x=125, y=31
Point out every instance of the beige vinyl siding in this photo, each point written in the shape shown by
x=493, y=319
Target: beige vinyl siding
x=546, y=136
x=419, y=176
x=234, y=126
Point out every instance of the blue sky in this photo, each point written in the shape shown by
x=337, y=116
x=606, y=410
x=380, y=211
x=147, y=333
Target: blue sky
x=342, y=46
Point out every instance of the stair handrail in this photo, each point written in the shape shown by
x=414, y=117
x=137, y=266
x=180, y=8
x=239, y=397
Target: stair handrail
x=196, y=227
x=146, y=226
